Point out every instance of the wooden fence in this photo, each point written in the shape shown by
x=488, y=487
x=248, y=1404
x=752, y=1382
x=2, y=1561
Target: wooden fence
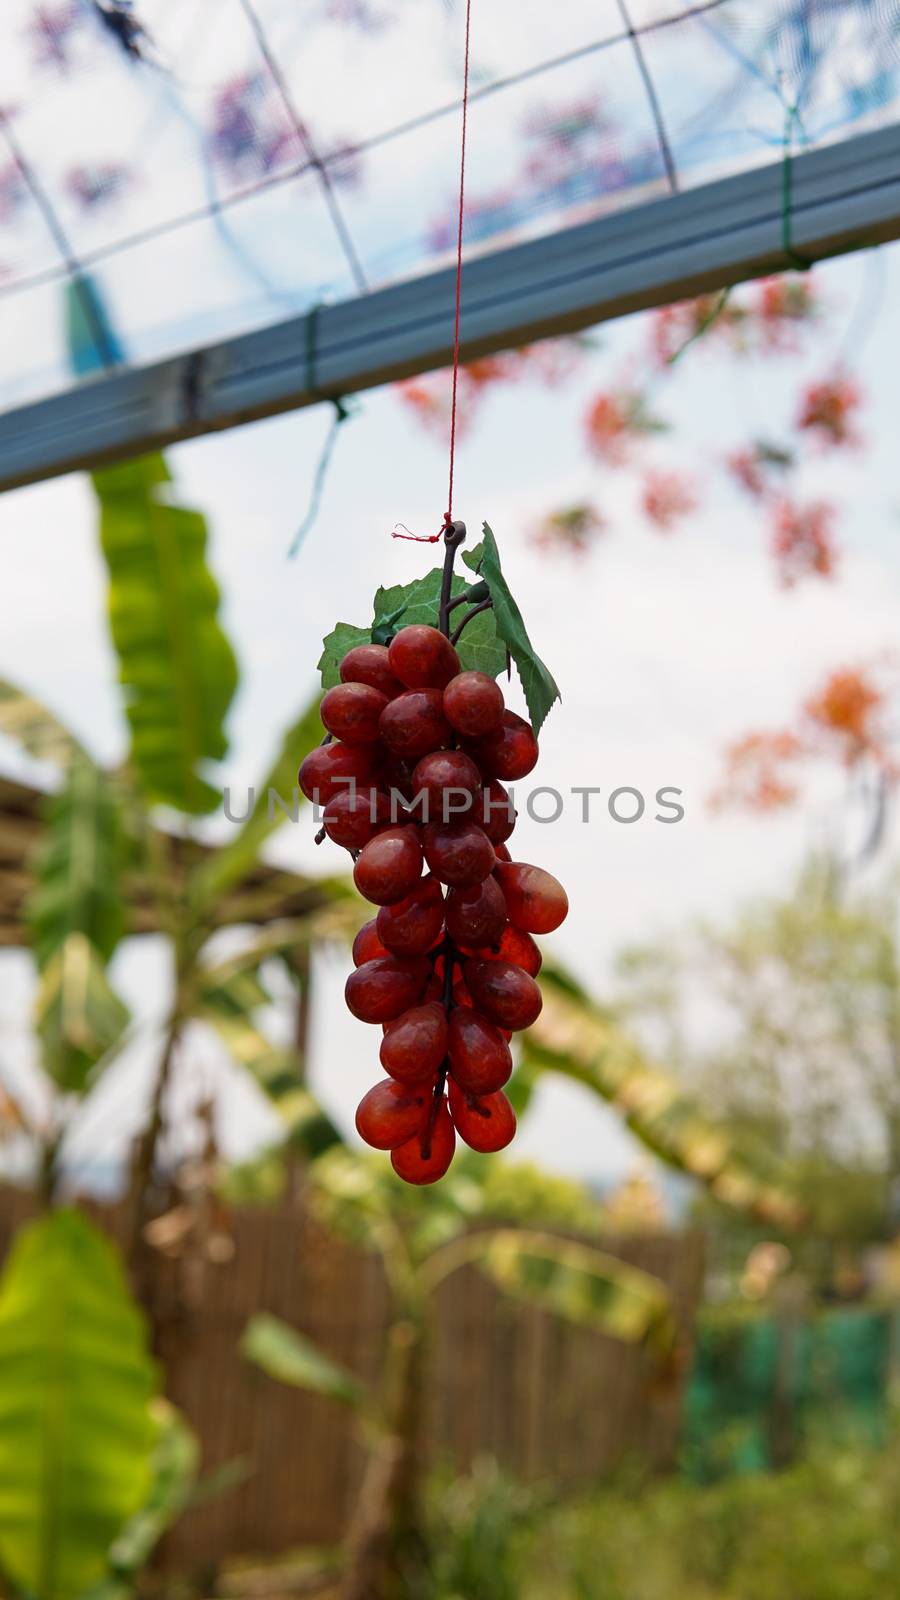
x=548, y=1400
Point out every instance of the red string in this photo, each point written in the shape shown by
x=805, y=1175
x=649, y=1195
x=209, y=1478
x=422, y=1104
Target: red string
x=448, y=515
x=432, y=538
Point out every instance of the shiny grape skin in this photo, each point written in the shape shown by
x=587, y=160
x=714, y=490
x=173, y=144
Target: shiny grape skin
x=389, y=867
x=480, y=1059
x=367, y=946
x=495, y=813
x=438, y=772
x=410, y=1164
x=476, y=916
x=392, y=1113
x=412, y=925
x=414, y=724
x=368, y=663
x=326, y=771
x=516, y=947
x=486, y=1123
x=352, y=711
x=414, y=1047
x=422, y=657
x=506, y=994
x=459, y=854
x=537, y=901
x=510, y=753
x=473, y=704
x=380, y=990
x=353, y=817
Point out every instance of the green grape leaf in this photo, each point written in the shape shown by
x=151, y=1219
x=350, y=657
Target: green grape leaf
x=540, y=688
x=343, y=637
x=479, y=649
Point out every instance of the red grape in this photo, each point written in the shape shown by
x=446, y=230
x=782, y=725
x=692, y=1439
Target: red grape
x=479, y=1055
x=425, y=1160
x=501, y=852
x=396, y=775
x=495, y=813
x=537, y=902
x=486, y=1123
x=473, y=704
x=516, y=947
x=367, y=946
x=368, y=663
x=392, y=1113
x=351, y=712
x=352, y=818
x=506, y=994
x=412, y=925
x=414, y=723
x=383, y=989
x=476, y=916
x=509, y=753
x=451, y=783
x=415, y=1045
x=389, y=866
x=326, y=771
x=422, y=657
x=459, y=853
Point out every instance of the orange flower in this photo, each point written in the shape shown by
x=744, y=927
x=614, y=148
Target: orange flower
x=849, y=708
x=756, y=772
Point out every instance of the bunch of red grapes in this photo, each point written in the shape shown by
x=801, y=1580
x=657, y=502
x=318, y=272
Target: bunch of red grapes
x=412, y=783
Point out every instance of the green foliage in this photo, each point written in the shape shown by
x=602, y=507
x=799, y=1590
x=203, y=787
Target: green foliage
x=290, y=1357
x=176, y=666
x=78, y=872
x=174, y=1465
x=39, y=731
x=475, y=1524
x=826, y=1529
x=580, y=1284
x=78, y=1015
x=235, y=858
x=539, y=686
x=575, y=1037
x=343, y=637
x=479, y=649
x=227, y=1003
x=76, y=1429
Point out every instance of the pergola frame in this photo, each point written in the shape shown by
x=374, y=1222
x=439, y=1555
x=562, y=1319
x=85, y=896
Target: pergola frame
x=843, y=197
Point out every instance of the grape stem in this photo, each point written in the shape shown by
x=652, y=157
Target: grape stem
x=448, y=950
x=484, y=605
x=453, y=538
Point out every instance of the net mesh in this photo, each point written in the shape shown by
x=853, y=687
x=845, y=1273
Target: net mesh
x=216, y=165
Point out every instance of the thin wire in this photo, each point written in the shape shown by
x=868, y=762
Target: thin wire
x=448, y=516
x=278, y=78
x=275, y=180
x=73, y=267
x=652, y=96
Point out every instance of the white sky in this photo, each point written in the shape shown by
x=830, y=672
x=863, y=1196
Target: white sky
x=664, y=648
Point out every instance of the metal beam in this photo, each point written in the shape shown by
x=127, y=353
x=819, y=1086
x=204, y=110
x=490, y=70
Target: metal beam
x=844, y=197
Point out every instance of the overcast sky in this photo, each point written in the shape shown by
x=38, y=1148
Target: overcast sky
x=664, y=649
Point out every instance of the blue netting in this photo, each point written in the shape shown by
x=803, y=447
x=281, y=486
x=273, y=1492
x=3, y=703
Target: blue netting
x=207, y=197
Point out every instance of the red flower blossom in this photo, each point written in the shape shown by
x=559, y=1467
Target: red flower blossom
x=614, y=422
x=827, y=410
x=665, y=497
x=781, y=305
x=747, y=469
x=803, y=540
